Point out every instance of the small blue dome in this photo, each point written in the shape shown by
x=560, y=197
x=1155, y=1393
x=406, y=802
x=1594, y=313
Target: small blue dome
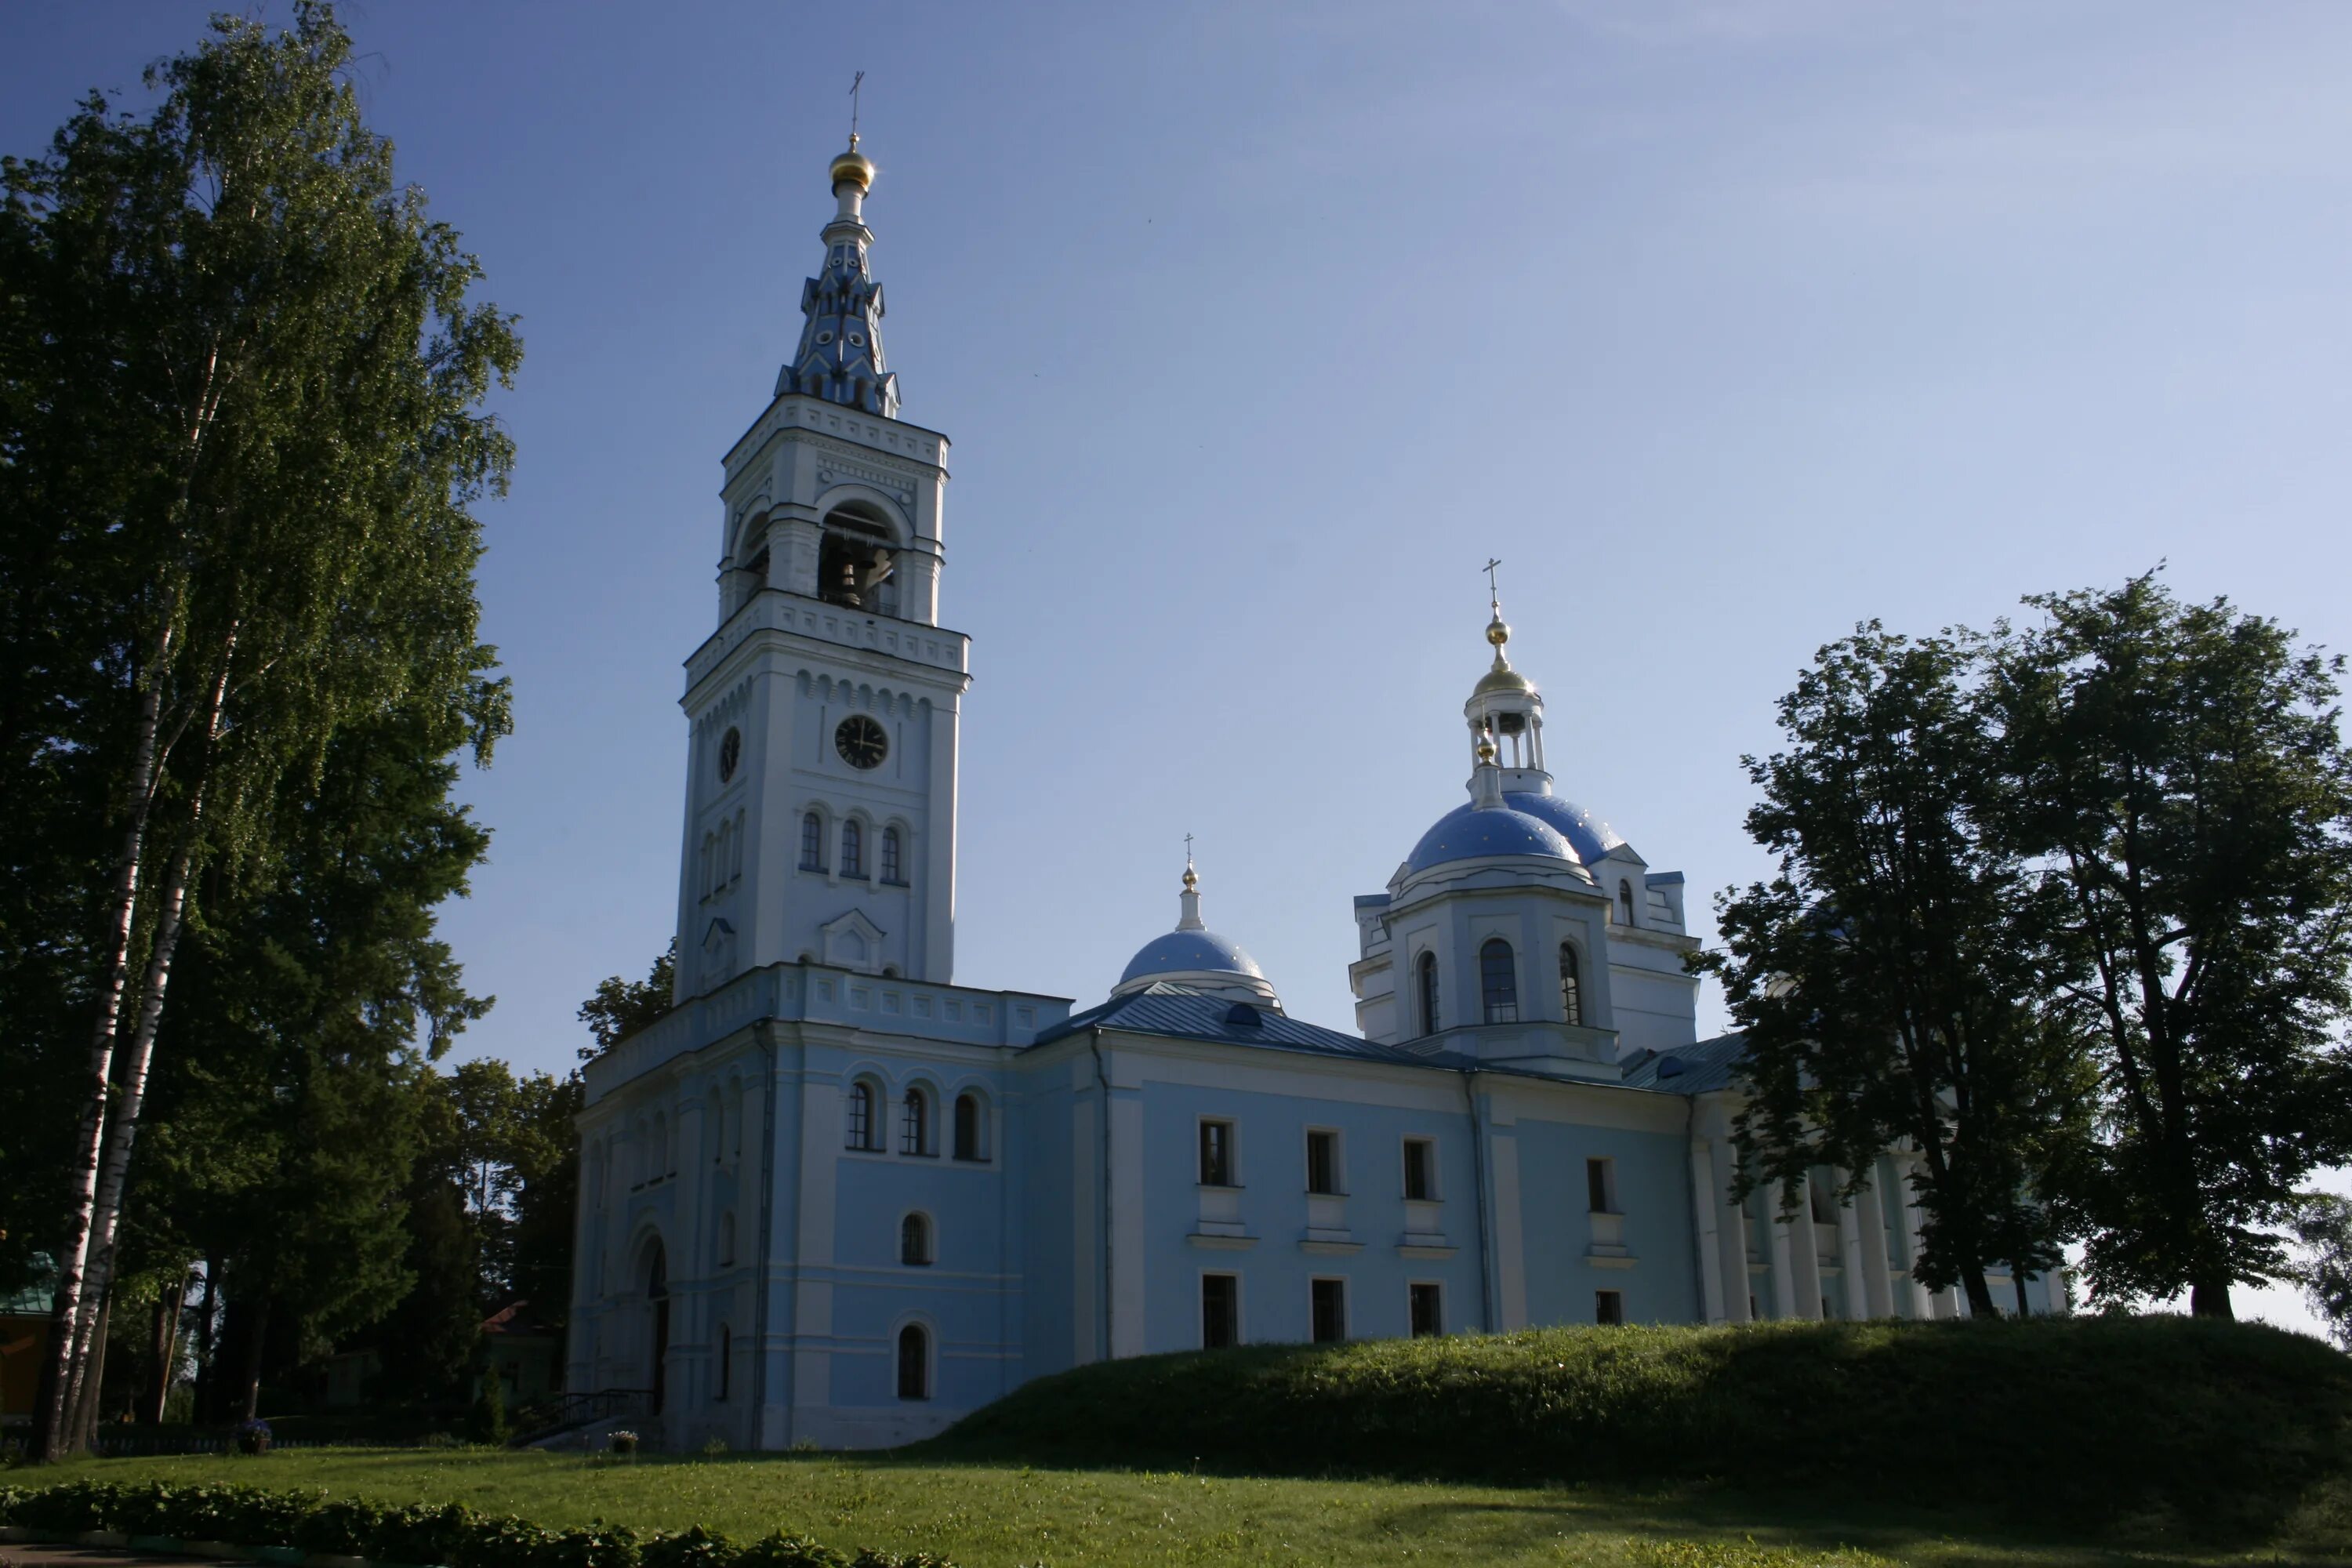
x=1190, y=953
x=1467, y=832
x=1591, y=837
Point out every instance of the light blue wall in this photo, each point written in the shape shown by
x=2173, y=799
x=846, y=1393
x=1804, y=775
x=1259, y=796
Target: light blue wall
x=1652, y=1174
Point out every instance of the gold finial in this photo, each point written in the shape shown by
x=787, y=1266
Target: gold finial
x=1497, y=632
x=1192, y=882
x=853, y=165
x=1485, y=751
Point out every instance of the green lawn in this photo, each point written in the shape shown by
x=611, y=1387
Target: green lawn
x=998, y=1515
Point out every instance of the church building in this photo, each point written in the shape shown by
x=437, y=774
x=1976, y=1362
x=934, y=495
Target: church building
x=833, y=1197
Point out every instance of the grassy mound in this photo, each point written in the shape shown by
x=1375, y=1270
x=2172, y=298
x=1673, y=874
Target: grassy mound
x=2178, y=1426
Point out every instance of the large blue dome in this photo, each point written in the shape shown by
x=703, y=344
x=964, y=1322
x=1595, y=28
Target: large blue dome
x=1467, y=832
x=1591, y=837
x=1190, y=953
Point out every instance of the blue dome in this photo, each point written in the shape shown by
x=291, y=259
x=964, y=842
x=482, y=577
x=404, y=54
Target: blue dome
x=1189, y=952
x=1467, y=832
x=1591, y=837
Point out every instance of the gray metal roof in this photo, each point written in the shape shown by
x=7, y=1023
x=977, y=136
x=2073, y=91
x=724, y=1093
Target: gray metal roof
x=1176, y=1013
x=1702, y=1068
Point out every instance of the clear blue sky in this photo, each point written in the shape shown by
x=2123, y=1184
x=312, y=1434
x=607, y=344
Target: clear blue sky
x=1725, y=323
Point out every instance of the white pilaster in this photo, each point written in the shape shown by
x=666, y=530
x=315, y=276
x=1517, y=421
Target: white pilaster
x=1710, y=1252
x=1876, y=1278
x=1857, y=1294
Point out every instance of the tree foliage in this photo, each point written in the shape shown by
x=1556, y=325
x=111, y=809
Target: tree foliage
x=2067, y=907
x=2178, y=781
x=619, y=1008
x=1880, y=978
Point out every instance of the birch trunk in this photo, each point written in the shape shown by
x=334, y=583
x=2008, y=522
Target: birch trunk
x=65, y=1312
x=123, y=1129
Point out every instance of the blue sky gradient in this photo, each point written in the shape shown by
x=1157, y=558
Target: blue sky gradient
x=1258, y=328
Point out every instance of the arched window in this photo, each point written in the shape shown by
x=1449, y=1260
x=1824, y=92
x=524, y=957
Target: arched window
x=915, y=1241
x=1499, y=983
x=967, y=1127
x=915, y=1123
x=708, y=840
x=893, y=871
x=1429, y=992
x=861, y=1116
x=811, y=842
x=852, y=848
x=735, y=859
x=725, y=1360
x=1625, y=901
x=914, y=1362
x=1571, y=985
x=726, y=1240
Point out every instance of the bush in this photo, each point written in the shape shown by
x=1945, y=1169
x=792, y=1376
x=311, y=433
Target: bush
x=489, y=1419
x=2220, y=1426
x=451, y=1534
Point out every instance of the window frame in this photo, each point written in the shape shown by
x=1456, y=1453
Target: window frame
x=1414, y=1290
x=1230, y=1159
x=1335, y=1177
x=1609, y=1309
x=1315, y=1294
x=862, y=1111
x=916, y=1225
x=1625, y=901
x=1425, y=989
x=890, y=867
x=1600, y=1182
x=1233, y=1279
x=853, y=847
x=919, y=1134
x=1499, y=1006
x=1571, y=984
x=974, y=1151
x=726, y=1363
x=813, y=841
x=1428, y=1145
x=925, y=1377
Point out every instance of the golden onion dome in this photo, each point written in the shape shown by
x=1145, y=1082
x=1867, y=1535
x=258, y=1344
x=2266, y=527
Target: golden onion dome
x=853, y=166
x=1503, y=678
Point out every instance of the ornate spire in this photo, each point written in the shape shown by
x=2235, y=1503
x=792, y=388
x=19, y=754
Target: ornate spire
x=840, y=354
x=1188, y=902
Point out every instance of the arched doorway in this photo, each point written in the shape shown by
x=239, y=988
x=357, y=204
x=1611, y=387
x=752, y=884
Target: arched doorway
x=657, y=1296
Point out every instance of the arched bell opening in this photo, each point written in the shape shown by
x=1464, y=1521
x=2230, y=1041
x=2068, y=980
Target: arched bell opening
x=856, y=565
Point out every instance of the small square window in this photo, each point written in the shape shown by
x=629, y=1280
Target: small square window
x=1322, y=1160
x=1420, y=1170
x=1217, y=1154
x=1608, y=1307
x=1329, y=1303
x=1221, y=1310
x=1601, y=1185
x=1427, y=1304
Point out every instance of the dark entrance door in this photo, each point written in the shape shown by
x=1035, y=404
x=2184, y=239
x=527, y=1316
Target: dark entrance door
x=658, y=1292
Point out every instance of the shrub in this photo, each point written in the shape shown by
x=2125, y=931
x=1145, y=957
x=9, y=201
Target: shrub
x=451, y=1534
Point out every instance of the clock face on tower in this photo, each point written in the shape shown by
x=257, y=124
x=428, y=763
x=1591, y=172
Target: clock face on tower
x=861, y=742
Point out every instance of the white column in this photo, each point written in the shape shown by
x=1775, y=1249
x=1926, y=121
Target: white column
x=1917, y=1303
x=1858, y=1295
x=1875, y=1276
x=1703, y=1206
x=1731, y=1231
x=1784, y=1278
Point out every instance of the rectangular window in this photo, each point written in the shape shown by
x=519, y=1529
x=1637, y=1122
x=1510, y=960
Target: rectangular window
x=1427, y=1309
x=1221, y=1311
x=1608, y=1307
x=1601, y=1185
x=1217, y=1154
x=1330, y=1299
x=1322, y=1160
x=1420, y=1169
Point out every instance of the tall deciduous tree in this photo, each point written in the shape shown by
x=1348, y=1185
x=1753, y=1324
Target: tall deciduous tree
x=1881, y=978
x=243, y=380
x=2178, y=776
x=619, y=1008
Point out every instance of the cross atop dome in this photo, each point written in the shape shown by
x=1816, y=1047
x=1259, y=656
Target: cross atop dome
x=840, y=354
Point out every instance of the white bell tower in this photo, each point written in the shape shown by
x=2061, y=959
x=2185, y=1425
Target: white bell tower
x=822, y=713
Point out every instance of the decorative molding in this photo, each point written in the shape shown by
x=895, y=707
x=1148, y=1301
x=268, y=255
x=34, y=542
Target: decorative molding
x=1222, y=1242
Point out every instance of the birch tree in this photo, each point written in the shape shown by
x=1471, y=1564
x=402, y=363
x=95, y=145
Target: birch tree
x=245, y=387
